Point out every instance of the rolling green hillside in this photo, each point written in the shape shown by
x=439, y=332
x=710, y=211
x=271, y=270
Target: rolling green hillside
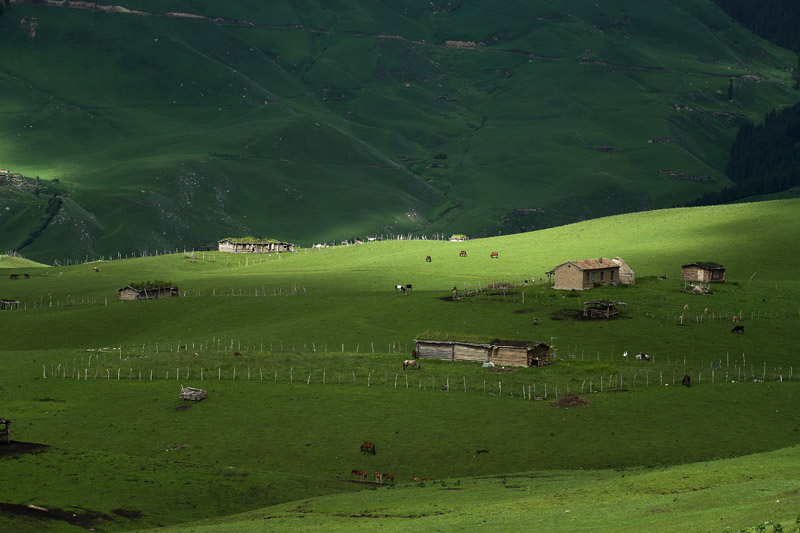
x=182, y=122
x=92, y=383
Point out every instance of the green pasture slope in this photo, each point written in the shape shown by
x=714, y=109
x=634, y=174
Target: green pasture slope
x=310, y=123
x=322, y=335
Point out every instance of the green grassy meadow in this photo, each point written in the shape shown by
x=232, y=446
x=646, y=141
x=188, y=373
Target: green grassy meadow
x=310, y=124
x=322, y=335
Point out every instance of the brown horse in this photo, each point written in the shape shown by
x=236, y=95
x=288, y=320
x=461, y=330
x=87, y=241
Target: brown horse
x=360, y=474
x=368, y=447
x=411, y=363
x=14, y=276
x=378, y=477
x=463, y=253
x=388, y=478
x=494, y=255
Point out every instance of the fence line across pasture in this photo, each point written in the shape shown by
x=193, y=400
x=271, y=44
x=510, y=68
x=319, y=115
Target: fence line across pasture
x=523, y=387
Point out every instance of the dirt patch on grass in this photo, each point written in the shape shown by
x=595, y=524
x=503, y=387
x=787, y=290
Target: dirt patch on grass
x=21, y=448
x=128, y=513
x=81, y=518
x=570, y=400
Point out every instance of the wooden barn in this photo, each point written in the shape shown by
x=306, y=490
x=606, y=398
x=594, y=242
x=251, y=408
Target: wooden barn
x=582, y=275
x=249, y=245
x=499, y=352
x=9, y=305
x=520, y=353
x=147, y=292
x=706, y=272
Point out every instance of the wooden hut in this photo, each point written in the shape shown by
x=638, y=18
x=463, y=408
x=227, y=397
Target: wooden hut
x=520, y=353
x=465, y=351
x=9, y=305
x=582, y=275
x=706, y=272
x=435, y=349
x=499, y=352
x=147, y=292
x=249, y=245
x=5, y=434
x=602, y=309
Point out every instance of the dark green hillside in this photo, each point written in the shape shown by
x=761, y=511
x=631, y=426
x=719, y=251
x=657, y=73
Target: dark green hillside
x=176, y=123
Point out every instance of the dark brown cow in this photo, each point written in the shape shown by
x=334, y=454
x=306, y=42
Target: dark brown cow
x=463, y=253
x=428, y=259
x=738, y=328
x=687, y=381
x=14, y=276
x=494, y=255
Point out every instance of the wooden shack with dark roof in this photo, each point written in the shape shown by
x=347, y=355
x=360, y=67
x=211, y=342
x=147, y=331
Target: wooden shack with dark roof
x=250, y=245
x=147, y=291
x=583, y=275
x=498, y=352
x=706, y=272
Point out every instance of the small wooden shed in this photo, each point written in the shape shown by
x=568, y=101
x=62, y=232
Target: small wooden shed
x=703, y=271
x=9, y=305
x=520, y=353
x=147, y=292
x=5, y=434
x=249, y=245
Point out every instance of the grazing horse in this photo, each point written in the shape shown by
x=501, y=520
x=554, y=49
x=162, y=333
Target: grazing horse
x=415, y=479
x=428, y=259
x=642, y=357
x=378, y=477
x=388, y=478
x=463, y=253
x=368, y=447
x=687, y=381
x=360, y=474
x=494, y=255
x=738, y=328
x=14, y=276
x=411, y=363
x=237, y=353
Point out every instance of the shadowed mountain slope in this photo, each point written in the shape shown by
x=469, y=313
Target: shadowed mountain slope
x=171, y=124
